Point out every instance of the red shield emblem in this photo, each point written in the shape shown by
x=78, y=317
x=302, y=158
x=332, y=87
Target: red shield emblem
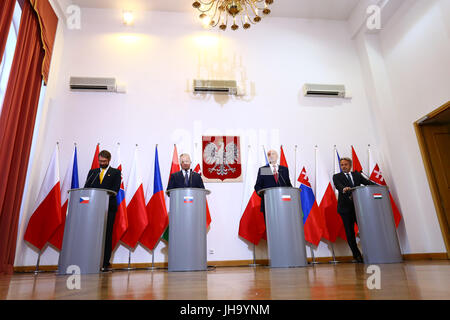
x=221, y=159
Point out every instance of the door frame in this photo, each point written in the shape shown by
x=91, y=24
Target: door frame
x=430, y=176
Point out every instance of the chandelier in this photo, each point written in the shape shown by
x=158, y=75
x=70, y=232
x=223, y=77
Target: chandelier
x=244, y=12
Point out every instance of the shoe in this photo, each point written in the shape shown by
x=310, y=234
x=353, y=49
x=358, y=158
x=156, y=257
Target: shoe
x=107, y=268
x=359, y=259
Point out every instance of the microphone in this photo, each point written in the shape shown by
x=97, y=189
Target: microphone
x=89, y=177
x=280, y=175
x=95, y=178
x=190, y=178
x=368, y=178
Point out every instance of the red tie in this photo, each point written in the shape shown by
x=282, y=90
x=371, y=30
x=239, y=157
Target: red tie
x=275, y=174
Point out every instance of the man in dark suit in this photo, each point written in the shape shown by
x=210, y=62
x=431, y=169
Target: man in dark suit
x=344, y=181
x=272, y=175
x=185, y=178
x=108, y=178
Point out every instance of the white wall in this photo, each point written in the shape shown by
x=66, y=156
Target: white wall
x=407, y=74
x=156, y=59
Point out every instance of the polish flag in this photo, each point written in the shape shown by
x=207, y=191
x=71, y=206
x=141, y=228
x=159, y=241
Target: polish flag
x=121, y=219
x=70, y=181
x=326, y=198
x=46, y=218
x=95, y=164
x=198, y=169
x=377, y=177
x=136, y=211
x=252, y=226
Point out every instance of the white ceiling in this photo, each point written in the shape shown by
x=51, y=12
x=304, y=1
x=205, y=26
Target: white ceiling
x=308, y=9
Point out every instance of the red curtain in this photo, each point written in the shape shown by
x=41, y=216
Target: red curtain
x=6, y=14
x=17, y=122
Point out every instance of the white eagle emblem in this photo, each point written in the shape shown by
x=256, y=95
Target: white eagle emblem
x=221, y=157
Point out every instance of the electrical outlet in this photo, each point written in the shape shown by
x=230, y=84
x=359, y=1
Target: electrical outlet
x=211, y=251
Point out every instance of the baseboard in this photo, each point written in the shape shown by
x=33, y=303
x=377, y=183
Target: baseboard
x=238, y=263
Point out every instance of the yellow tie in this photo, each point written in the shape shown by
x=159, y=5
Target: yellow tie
x=102, y=173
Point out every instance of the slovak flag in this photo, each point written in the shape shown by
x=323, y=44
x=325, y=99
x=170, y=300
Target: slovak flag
x=313, y=220
x=70, y=181
x=121, y=219
x=46, y=218
x=188, y=199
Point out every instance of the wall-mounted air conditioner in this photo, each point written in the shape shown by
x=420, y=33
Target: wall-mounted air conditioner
x=216, y=86
x=89, y=84
x=325, y=90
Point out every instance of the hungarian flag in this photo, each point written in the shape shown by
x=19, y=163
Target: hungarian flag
x=136, y=211
x=313, y=221
x=158, y=219
x=328, y=203
x=121, y=219
x=198, y=169
x=252, y=226
x=377, y=177
x=356, y=164
x=175, y=167
x=95, y=164
x=46, y=218
x=70, y=181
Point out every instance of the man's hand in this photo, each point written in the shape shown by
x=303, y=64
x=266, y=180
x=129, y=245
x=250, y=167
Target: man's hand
x=346, y=189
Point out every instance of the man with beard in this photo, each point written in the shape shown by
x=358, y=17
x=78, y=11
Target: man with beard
x=108, y=178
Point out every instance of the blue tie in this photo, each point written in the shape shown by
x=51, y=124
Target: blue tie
x=186, y=180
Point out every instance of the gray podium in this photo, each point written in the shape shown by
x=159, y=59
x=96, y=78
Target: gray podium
x=284, y=225
x=376, y=224
x=84, y=232
x=187, y=229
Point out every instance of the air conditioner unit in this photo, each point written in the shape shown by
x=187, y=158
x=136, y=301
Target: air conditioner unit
x=93, y=84
x=324, y=90
x=216, y=86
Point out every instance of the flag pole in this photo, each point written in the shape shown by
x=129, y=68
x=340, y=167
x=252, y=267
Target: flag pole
x=295, y=166
x=37, y=264
x=334, y=261
x=312, y=255
x=254, y=264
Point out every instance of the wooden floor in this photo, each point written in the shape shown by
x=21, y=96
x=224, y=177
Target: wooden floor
x=408, y=280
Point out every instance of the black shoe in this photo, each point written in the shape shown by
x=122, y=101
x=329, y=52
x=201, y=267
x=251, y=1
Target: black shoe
x=359, y=259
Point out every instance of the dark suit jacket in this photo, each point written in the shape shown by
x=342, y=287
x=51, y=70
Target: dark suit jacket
x=345, y=202
x=267, y=180
x=111, y=181
x=177, y=180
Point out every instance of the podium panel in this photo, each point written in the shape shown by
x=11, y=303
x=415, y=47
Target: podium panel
x=84, y=231
x=187, y=229
x=284, y=226
x=376, y=225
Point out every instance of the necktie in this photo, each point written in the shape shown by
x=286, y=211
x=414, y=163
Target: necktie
x=275, y=174
x=186, y=179
x=102, y=173
x=349, y=179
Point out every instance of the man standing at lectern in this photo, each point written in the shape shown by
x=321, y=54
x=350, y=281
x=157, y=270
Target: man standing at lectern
x=272, y=175
x=344, y=181
x=108, y=178
x=185, y=178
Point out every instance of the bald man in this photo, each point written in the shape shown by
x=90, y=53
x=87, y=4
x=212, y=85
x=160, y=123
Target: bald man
x=272, y=175
x=185, y=178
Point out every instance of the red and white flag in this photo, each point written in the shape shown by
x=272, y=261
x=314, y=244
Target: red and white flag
x=326, y=198
x=252, y=226
x=47, y=216
x=136, y=211
x=377, y=177
x=198, y=170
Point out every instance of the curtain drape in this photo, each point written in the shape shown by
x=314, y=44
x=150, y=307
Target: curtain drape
x=17, y=122
x=6, y=15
